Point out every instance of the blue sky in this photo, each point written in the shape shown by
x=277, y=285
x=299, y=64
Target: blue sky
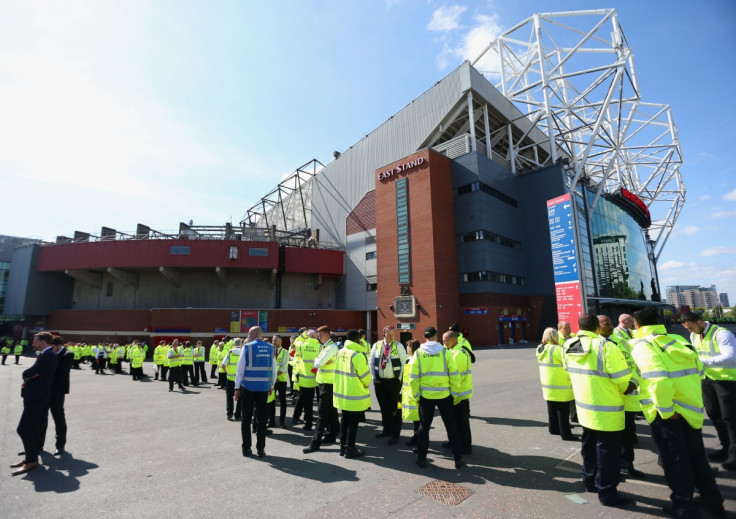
x=117, y=113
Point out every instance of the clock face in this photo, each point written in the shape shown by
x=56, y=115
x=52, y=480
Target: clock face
x=404, y=306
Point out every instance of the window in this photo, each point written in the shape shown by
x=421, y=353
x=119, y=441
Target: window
x=370, y=255
x=489, y=236
x=179, y=250
x=371, y=287
x=496, y=277
x=109, y=289
x=370, y=240
x=495, y=193
x=257, y=251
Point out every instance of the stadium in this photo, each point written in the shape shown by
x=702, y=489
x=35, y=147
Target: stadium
x=529, y=184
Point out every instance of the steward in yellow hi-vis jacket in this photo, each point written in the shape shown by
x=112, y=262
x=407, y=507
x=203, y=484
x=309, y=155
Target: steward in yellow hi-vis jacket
x=350, y=391
x=673, y=405
x=600, y=378
x=556, y=385
x=434, y=382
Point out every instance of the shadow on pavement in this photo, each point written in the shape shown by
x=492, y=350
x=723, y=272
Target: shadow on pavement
x=59, y=475
x=317, y=470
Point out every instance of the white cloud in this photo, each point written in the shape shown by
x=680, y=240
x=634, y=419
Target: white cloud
x=690, y=230
x=703, y=198
x=731, y=195
x=445, y=19
x=722, y=214
x=484, y=30
x=672, y=265
x=705, y=155
x=718, y=250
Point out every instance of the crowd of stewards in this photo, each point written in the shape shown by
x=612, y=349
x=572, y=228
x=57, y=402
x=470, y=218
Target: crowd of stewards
x=605, y=377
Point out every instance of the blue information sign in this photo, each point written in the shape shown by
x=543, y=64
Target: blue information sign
x=562, y=236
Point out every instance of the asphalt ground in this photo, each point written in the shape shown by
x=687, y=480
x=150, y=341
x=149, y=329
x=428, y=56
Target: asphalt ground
x=137, y=450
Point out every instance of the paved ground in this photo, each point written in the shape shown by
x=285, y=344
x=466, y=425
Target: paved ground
x=136, y=450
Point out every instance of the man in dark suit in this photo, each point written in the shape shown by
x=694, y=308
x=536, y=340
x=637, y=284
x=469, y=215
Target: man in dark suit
x=59, y=390
x=36, y=391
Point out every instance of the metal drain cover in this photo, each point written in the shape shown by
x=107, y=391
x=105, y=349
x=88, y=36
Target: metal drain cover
x=445, y=492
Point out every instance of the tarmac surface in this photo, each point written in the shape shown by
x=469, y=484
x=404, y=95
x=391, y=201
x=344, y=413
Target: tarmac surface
x=137, y=450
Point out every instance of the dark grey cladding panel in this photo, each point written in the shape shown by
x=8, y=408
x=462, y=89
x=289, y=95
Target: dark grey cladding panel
x=526, y=223
x=35, y=293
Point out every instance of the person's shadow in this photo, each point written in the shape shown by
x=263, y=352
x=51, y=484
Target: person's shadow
x=60, y=475
x=317, y=470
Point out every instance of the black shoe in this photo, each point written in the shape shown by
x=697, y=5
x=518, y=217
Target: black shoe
x=618, y=501
x=571, y=438
x=714, y=510
x=296, y=421
x=394, y=440
x=269, y=432
x=230, y=418
x=422, y=464
x=312, y=448
x=271, y=423
x=330, y=438
x=247, y=452
x=342, y=450
x=670, y=510
x=58, y=452
x=719, y=455
x=307, y=427
x=261, y=453
x=729, y=464
x=632, y=472
x=170, y=389
x=283, y=425
x=381, y=435
x=459, y=464
x=22, y=453
x=351, y=453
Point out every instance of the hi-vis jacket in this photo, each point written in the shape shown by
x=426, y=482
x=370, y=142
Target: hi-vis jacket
x=599, y=376
x=352, y=379
x=556, y=385
x=719, y=364
x=631, y=401
x=433, y=372
x=670, y=375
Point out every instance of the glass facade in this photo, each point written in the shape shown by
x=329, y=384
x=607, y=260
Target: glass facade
x=621, y=254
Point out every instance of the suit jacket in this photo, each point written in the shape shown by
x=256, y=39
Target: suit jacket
x=64, y=361
x=39, y=388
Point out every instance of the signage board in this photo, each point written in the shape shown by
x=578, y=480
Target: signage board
x=406, y=326
x=476, y=310
x=565, y=259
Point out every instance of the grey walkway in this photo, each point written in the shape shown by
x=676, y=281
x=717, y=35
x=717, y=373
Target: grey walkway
x=136, y=450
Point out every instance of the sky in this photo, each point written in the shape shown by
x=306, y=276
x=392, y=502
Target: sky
x=118, y=113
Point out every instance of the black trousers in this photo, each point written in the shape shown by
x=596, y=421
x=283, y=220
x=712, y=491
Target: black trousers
x=280, y=388
x=426, y=415
x=17, y=358
x=229, y=394
x=461, y=415
x=187, y=373
x=29, y=428
x=56, y=406
x=558, y=414
x=719, y=399
x=305, y=403
x=250, y=400
x=99, y=365
x=327, y=419
x=601, y=452
x=222, y=379
x=685, y=465
x=164, y=372
x=5, y=356
x=349, y=428
x=213, y=370
x=628, y=439
x=175, y=376
x=199, y=373
x=388, y=391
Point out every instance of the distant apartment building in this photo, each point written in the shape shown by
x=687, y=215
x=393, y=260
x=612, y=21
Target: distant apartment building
x=693, y=295
x=724, y=300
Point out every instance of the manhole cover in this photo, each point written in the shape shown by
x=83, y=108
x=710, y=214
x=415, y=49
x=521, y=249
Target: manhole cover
x=445, y=492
